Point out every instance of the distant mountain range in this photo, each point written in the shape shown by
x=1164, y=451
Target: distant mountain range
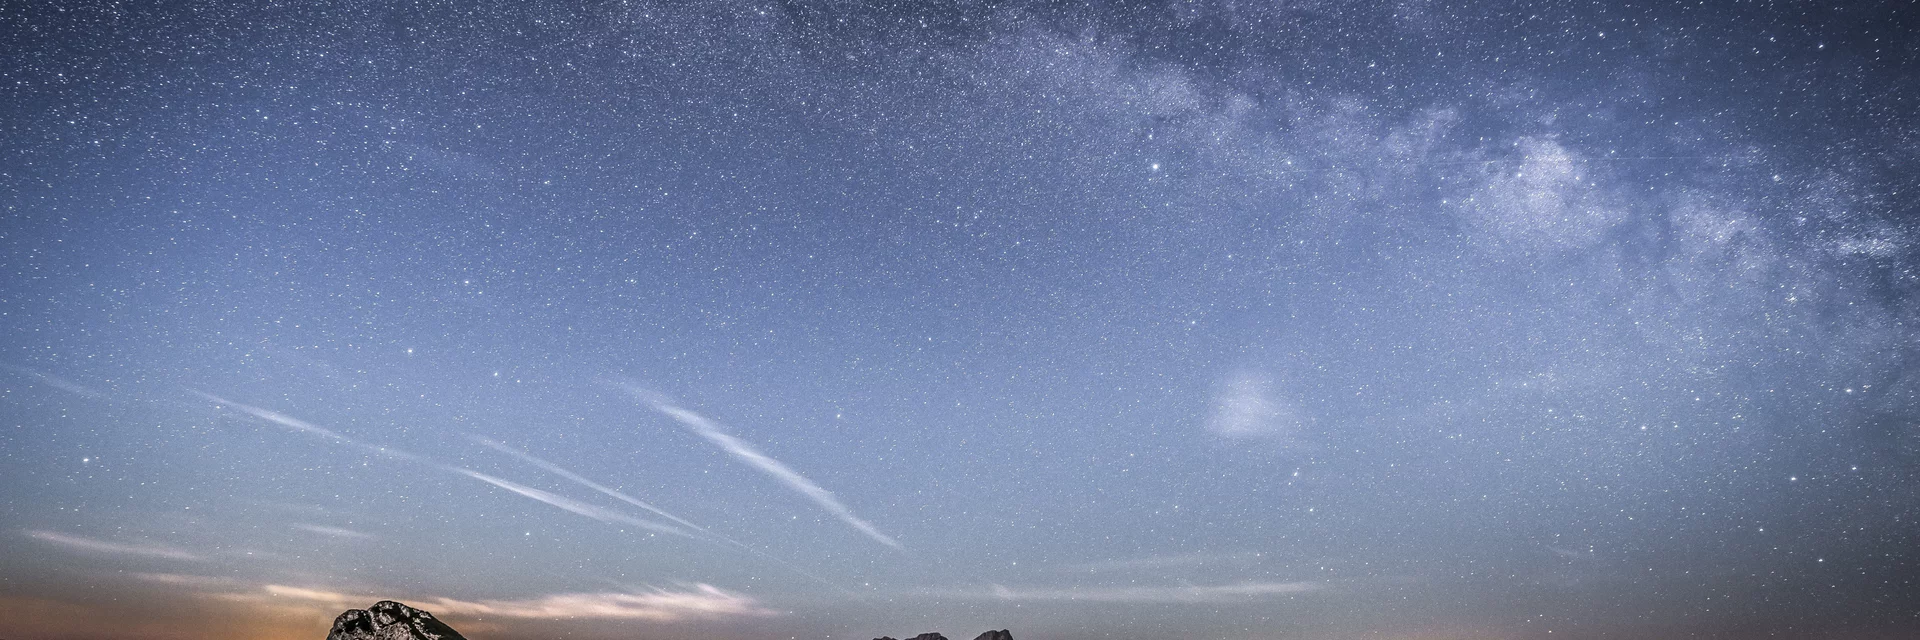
x=389, y=620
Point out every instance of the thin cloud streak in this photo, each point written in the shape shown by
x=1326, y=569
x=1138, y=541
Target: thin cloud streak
x=278, y=418
x=745, y=452
x=698, y=601
x=557, y=470
x=58, y=382
x=189, y=581
x=602, y=514
x=1186, y=594
x=1168, y=562
x=336, y=532
x=303, y=426
x=592, y=511
x=117, y=548
x=703, y=601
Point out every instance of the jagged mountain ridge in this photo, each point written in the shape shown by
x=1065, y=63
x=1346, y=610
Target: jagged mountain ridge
x=1001, y=634
x=389, y=620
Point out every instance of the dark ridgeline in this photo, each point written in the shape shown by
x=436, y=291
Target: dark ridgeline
x=389, y=620
x=1002, y=634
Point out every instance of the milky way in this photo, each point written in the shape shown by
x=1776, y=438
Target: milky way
x=1133, y=320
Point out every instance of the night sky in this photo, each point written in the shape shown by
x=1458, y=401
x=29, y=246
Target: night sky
x=716, y=320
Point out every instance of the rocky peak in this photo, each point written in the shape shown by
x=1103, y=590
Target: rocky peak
x=389, y=620
x=1002, y=634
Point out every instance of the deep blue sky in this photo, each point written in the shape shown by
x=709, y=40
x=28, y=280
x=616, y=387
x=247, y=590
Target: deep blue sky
x=1138, y=320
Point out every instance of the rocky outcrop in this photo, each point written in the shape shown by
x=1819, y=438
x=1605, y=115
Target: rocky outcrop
x=389, y=620
x=1002, y=634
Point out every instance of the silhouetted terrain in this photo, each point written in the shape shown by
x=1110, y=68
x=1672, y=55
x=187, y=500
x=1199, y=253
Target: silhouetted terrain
x=389, y=620
x=1002, y=634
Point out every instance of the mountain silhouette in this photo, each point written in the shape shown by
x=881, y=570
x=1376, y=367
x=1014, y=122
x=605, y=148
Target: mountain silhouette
x=1002, y=634
x=389, y=620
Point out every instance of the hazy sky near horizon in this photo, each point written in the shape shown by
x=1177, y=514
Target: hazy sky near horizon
x=726, y=319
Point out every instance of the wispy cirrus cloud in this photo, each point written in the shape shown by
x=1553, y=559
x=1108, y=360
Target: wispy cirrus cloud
x=189, y=581
x=577, y=478
x=1185, y=560
x=57, y=382
x=92, y=545
x=1180, y=594
x=334, y=532
x=697, y=601
x=747, y=453
x=562, y=472
x=303, y=426
x=700, y=601
x=596, y=512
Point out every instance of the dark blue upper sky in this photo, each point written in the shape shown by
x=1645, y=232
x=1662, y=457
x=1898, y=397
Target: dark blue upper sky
x=752, y=320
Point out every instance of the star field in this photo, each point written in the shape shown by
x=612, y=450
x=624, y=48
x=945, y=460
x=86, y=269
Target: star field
x=804, y=319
